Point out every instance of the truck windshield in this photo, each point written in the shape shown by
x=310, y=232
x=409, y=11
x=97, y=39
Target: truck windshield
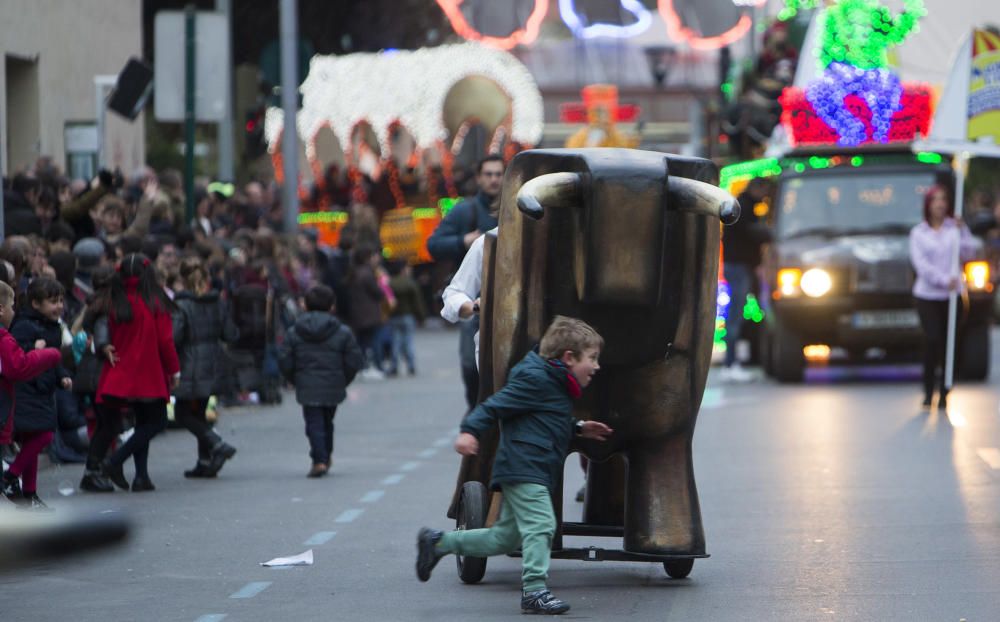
x=855, y=203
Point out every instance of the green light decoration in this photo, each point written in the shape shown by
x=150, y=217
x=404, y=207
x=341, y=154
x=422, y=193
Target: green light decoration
x=857, y=160
x=319, y=218
x=445, y=204
x=744, y=171
x=424, y=212
x=860, y=32
x=799, y=167
x=818, y=162
x=719, y=339
x=928, y=157
x=792, y=8
x=752, y=311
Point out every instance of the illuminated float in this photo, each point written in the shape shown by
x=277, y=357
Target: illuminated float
x=380, y=113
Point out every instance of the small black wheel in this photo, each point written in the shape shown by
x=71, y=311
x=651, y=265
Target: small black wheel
x=678, y=568
x=472, y=510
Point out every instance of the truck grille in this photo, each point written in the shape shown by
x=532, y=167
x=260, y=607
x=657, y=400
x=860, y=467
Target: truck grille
x=886, y=277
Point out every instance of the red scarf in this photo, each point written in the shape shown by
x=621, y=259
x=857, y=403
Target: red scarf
x=572, y=384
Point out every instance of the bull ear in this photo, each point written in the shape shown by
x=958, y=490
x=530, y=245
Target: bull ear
x=690, y=195
x=551, y=190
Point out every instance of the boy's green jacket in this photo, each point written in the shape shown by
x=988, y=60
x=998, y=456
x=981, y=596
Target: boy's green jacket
x=535, y=410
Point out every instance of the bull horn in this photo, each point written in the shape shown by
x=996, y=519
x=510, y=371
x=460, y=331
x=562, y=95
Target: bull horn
x=551, y=190
x=690, y=195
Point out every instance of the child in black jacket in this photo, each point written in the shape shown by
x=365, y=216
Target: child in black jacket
x=35, y=412
x=321, y=357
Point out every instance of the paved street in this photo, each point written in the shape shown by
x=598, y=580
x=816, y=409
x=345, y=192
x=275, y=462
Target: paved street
x=837, y=500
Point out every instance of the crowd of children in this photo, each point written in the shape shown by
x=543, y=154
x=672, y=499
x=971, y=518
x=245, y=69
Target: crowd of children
x=107, y=273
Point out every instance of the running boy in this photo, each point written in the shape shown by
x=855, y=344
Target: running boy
x=321, y=357
x=534, y=410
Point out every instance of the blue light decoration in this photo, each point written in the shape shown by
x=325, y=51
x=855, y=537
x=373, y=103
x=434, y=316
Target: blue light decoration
x=879, y=88
x=853, y=56
x=722, y=302
x=575, y=23
x=752, y=312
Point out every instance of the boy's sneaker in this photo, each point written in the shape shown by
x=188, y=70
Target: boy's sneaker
x=32, y=502
x=10, y=486
x=543, y=602
x=427, y=553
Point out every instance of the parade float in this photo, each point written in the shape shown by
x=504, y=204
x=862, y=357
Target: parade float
x=856, y=151
x=397, y=114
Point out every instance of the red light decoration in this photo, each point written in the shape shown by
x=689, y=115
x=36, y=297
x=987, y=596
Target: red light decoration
x=523, y=36
x=576, y=112
x=677, y=31
x=805, y=127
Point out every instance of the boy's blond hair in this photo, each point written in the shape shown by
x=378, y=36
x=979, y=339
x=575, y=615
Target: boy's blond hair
x=567, y=333
x=6, y=295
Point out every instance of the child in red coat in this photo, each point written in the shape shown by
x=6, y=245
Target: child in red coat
x=137, y=342
x=16, y=365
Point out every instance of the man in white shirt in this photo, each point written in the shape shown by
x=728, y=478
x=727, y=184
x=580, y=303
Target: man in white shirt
x=461, y=297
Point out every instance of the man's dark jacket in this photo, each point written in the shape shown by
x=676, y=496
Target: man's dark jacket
x=321, y=356
x=35, y=409
x=201, y=324
x=447, y=241
x=19, y=215
x=534, y=410
x=742, y=240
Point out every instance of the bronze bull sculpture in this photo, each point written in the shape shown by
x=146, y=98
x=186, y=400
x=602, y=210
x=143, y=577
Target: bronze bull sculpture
x=627, y=241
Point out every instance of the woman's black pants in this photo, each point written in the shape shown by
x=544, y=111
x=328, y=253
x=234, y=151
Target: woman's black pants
x=934, y=322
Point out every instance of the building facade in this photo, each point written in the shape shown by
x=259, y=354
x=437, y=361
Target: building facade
x=53, y=51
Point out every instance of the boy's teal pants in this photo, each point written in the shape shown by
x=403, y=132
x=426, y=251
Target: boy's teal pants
x=526, y=520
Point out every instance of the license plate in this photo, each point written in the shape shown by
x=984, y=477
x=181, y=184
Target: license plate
x=903, y=318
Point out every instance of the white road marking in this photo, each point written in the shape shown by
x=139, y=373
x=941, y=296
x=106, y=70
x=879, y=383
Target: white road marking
x=320, y=537
x=211, y=617
x=427, y=453
x=395, y=478
x=409, y=466
x=441, y=442
x=372, y=496
x=349, y=515
x=991, y=456
x=251, y=589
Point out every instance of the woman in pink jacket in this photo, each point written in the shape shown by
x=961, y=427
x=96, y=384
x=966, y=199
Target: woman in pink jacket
x=932, y=249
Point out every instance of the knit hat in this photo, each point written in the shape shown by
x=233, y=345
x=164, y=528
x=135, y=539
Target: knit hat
x=88, y=253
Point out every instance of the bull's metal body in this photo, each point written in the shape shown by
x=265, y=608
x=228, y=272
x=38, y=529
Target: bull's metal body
x=627, y=241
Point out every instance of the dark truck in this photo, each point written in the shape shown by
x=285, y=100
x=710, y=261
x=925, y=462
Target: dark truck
x=837, y=273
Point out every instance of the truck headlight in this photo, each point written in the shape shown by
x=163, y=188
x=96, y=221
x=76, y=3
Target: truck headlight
x=977, y=276
x=788, y=283
x=816, y=282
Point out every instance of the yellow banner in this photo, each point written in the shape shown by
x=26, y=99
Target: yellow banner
x=984, y=86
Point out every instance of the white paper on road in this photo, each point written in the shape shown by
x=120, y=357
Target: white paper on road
x=302, y=559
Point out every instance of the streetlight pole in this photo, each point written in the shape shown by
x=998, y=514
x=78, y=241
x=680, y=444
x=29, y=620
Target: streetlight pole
x=189, y=110
x=290, y=105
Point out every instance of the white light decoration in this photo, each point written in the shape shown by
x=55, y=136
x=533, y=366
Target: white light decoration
x=575, y=23
x=408, y=87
